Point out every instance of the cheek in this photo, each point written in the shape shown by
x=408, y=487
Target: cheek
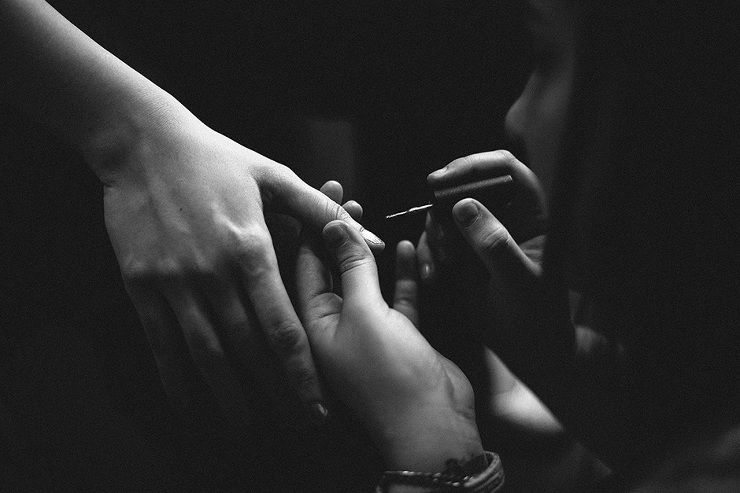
x=538, y=117
x=553, y=109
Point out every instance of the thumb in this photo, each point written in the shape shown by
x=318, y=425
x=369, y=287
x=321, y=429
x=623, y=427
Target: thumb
x=355, y=263
x=494, y=245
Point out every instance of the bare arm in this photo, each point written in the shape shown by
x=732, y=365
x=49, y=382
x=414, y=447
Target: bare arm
x=184, y=209
x=56, y=73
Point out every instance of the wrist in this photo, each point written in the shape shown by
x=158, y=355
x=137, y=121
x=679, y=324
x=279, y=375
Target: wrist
x=424, y=441
x=482, y=474
x=134, y=125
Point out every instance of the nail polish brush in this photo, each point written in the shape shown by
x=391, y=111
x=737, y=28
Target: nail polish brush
x=494, y=192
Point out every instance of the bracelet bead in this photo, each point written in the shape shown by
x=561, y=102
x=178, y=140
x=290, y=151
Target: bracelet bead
x=483, y=474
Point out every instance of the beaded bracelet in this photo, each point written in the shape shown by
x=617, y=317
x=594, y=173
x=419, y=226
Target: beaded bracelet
x=484, y=474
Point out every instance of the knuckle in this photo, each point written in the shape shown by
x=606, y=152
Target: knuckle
x=406, y=299
x=318, y=311
x=250, y=245
x=284, y=173
x=303, y=377
x=403, y=302
x=354, y=259
x=495, y=241
x=285, y=338
x=136, y=271
x=333, y=210
x=405, y=306
x=268, y=170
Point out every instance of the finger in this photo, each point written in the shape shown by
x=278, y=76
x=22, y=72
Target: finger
x=251, y=353
x=425, y=260
x=313, y=278
x=354, y=209
x=484, y=163
x=316, y=301
x=280, y=324
x=493, y=244
x=333, y=189
x=356, y=265
x=208, y=353
x=526, y=215
x=405, y=295
x=436, y=239
x=313, y=207
x=162, y=332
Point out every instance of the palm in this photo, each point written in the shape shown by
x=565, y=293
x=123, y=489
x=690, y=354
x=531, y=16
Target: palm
x=375, y=359
x=384, y=363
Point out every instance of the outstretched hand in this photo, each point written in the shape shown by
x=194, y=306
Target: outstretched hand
x=417, y=405
x=184, y=208
x=185, y=214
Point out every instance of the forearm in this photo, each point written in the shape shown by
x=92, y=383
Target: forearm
x=425, y=443
x=58, y=75
x=582, y=387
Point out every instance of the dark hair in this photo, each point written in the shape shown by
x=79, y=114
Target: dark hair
x=645, y=205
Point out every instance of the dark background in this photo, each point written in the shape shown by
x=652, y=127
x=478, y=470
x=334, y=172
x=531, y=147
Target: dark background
x=419, y=84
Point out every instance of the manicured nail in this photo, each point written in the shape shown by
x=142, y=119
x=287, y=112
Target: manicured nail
x=467, y=213
x=438, y=172
x=335, y=235
x=426, y=271
x=370, y=237
x=319, y=413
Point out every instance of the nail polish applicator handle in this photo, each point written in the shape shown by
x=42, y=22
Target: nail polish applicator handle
x=495, y=193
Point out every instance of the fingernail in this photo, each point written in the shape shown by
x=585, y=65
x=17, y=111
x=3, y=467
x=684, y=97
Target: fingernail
x=466, y=213
x=370, y=237
x=426, y=271
x=319, y=413
x=439, y=172
x=335, y=235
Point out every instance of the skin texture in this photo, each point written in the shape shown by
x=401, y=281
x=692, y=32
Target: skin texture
x=185, y=211
x=417, y=405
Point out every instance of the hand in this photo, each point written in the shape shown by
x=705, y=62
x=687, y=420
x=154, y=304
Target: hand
x=525, y=217
x=417, y=405
x=528, y=322
x=525, y=322
x=468, y=296
x=453, y=273
x=184, y=208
